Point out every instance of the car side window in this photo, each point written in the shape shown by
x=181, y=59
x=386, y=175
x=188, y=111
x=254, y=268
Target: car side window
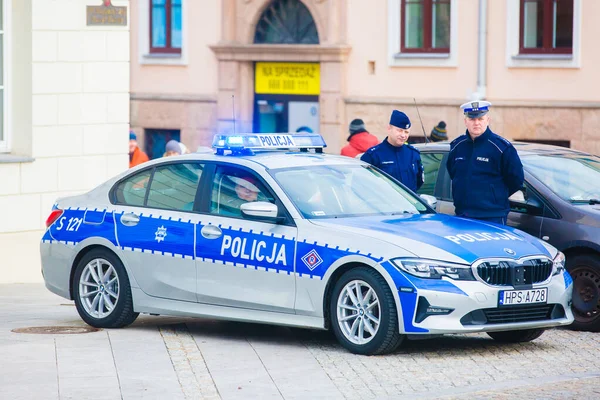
x=431, y=167
x=233, y=187
x=174, y=186
x=132, y=191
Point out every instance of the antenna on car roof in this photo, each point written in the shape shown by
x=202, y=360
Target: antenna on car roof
x=422, y=127
x=233, y=108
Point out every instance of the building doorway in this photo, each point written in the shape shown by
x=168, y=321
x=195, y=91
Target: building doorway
x=286, y=95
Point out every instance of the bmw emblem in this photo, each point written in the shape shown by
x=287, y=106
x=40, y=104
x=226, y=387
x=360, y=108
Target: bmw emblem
x=509, y=251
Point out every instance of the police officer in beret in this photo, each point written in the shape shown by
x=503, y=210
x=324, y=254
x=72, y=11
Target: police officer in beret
x=395, y=156
x=485, y=168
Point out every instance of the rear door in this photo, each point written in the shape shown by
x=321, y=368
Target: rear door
x=155, y=226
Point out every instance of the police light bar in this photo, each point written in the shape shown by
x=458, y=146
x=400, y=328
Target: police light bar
x=247, y=142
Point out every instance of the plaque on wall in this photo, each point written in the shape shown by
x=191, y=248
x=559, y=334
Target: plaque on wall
x=106, y=14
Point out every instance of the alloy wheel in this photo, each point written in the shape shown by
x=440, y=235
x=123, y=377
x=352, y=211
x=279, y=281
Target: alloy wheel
x=358, y=312
x=99, y=288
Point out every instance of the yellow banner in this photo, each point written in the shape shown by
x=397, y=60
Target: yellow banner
x=287, y=78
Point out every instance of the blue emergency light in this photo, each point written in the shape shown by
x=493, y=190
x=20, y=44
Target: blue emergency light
x=247, y=143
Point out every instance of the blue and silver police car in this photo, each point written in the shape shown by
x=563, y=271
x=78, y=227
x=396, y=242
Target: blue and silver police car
x=269, y=229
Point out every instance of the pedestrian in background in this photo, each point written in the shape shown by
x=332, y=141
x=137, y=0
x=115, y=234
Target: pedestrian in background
x=485, y=168
x=395, y=156
x=438, y=133
x=172, y=148
x=360, y=140
x=136, y=155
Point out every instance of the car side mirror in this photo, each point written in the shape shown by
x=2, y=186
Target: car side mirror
x=261, y=210
x=430, y=200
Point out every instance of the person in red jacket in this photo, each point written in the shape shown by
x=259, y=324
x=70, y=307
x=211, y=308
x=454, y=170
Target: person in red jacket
x=136, y=155
x=359, y=140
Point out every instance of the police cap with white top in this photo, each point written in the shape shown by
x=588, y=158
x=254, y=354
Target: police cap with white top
x=475, y=109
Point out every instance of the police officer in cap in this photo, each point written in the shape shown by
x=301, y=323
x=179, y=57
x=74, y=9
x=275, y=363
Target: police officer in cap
x=395, y=156
x=485, y=168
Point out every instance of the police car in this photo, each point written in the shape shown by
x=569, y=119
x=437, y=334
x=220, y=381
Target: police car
x=269, y=229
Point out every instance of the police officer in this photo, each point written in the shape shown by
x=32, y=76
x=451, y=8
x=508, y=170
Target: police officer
x=485, y=168
x=395, y=156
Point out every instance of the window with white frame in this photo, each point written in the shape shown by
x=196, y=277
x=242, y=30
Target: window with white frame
x=423, y=33
x=425, y=26
x=543, y=33
x=4, y=133
x=165, y=26
x=546, y=27
x=162, y=35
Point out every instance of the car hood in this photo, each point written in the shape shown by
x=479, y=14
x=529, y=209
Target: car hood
x=431, y=235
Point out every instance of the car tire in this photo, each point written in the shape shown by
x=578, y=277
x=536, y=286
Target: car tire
x=103, y=300
x=585, y=271
x=522, y=336
x=365, y=323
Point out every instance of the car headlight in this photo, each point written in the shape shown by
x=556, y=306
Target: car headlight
x=431, y=269
x=558, y=263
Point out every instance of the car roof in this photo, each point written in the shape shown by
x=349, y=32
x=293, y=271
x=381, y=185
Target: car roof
x=523, y=148
x=268, y=159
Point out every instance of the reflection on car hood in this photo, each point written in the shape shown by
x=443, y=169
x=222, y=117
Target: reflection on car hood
x=467, y=239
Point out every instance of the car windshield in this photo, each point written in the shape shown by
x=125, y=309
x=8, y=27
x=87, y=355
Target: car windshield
x=573, y=177
x=334, y=191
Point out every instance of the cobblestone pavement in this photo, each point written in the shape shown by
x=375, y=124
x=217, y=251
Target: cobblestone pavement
x=162, y=357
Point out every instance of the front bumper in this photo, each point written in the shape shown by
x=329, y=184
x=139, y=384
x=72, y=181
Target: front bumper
x=474, y=307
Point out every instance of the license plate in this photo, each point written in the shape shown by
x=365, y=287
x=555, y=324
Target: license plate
x=514, y=297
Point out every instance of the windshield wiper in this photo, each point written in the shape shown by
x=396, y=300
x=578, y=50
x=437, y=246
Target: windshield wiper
x=587, y=201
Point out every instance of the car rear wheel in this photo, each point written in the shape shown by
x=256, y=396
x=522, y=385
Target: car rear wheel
x=525, y=335
x=585, y=271
x=363, y=313
x=102, y=292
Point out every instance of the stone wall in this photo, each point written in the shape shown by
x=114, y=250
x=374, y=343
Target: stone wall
x=72, y=119
x=577, y=123
x=194, y=117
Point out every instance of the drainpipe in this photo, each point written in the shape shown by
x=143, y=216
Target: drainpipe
x=481, y=51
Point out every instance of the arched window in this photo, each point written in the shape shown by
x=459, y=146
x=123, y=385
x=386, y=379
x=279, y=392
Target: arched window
x=287, y=22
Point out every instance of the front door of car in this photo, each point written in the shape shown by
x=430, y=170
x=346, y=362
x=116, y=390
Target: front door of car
x=436, y=181
x=243, y=262
x=155, y=228
x=532, y=213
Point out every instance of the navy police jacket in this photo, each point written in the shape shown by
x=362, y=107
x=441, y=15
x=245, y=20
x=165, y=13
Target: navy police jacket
x=403, y=163
x=484, y=172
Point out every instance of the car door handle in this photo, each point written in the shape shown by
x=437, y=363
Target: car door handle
x=211, y=232
x=130, y=219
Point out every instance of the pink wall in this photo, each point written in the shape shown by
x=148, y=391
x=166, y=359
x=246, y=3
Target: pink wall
x=544, y=84
x=368, y=37
x=199, y=76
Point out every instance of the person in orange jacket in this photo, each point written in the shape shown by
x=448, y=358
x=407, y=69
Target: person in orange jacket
x=136, y=155
x=359, y=140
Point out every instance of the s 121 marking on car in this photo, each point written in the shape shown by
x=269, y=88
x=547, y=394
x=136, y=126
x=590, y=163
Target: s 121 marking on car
x=263, y=233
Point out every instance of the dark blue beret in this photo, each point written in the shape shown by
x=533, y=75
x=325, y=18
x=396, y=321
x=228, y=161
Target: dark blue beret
x=400, y=120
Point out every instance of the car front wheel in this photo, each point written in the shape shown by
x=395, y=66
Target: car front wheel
x=363, y=313
x=102, y=292
x=585, y=271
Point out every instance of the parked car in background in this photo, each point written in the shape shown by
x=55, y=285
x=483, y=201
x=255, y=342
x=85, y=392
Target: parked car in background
x=559, y=204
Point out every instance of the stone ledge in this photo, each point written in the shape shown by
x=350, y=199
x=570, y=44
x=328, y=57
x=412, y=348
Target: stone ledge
x=458, y=102
x=281, y=52
x=189, y=98
x=14, y=158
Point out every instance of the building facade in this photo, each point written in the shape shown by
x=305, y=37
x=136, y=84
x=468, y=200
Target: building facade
x=65, y=116
x=284, y=65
